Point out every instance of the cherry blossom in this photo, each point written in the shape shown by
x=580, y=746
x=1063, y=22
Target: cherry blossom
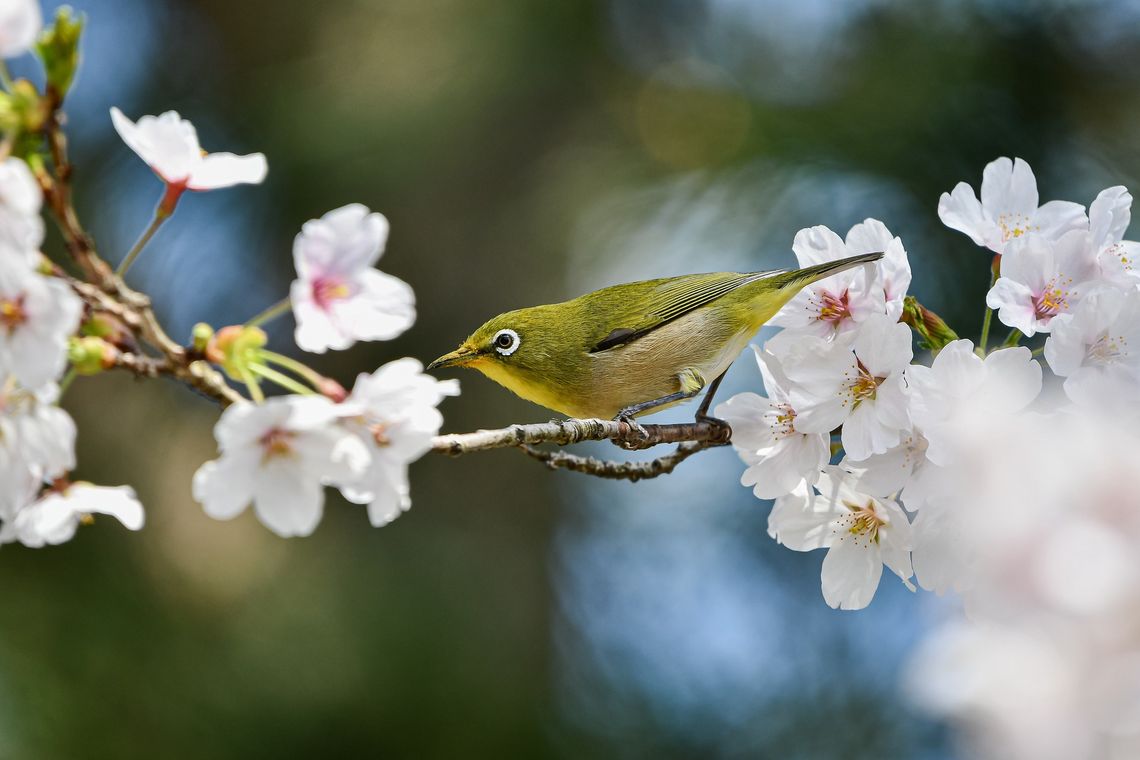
x=855, y=381
x=839, y=303
x=1109, y=216
x=861, y=533
x=37, y=442
x=959, y=387
x=279, y=455
x=37, y=315
x=1041, y=278
x=21, y=227
x=20, y=24
x=779, y=457
x=393, y=412
x=903, y=468
x=338, y=297
x=169, y=146
x=54, y=518
x=1008, y=209
x=1097, y=348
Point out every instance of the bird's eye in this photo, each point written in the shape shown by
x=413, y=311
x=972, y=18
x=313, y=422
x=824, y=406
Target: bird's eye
x=506, y=342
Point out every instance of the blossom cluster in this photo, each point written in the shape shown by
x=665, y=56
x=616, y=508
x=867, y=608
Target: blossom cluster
x=976, y=471
x=38, y=315
x=841, y=377
x=278, y=452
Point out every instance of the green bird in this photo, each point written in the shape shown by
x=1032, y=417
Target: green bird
x=635, y=348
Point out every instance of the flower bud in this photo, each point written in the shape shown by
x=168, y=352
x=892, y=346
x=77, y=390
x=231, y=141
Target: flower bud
x=91, y=355
x=22, y=109
x=235, y=347
x=200, y=336
x=931, y=328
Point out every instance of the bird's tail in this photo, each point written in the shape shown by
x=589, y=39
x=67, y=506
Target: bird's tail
x=799, y=278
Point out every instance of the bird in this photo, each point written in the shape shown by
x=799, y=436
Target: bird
x=629, y=350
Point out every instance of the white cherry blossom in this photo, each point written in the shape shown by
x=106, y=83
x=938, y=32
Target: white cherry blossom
x=901, y=472
x=1097, y=348
x=1008, y=209
x=21, y=226
x=959, y=388
x=279, y=455
x=20, y=24
x=839, y=303
x=37, y=315
x=1109, y=216
x=37, y=442
x=338, y=297
x=861, y=533
x=1041, y=278
x=54, y=518
x=393, y=412
x=169, y=146
x=855, y=381
x=764, y=434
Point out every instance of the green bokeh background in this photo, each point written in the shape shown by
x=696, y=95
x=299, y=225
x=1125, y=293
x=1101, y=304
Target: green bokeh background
x=513, y=144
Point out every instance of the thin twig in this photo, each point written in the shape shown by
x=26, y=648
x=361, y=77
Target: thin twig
x=631, y=471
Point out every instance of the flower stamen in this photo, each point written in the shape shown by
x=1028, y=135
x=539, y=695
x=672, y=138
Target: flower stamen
x=276, y=443
x=1053, y=298
x=328, y=290
x=12, y=313
x=862, y=521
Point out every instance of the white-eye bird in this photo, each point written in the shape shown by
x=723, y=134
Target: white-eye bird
x=633, y=348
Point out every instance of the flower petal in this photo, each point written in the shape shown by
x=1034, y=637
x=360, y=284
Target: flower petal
x=218, y=170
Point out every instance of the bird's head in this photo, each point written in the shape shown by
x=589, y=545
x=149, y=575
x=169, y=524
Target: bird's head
x=528, y=351
x=515, y=343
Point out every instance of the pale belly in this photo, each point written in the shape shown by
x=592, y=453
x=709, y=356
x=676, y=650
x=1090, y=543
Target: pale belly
x=649, y=367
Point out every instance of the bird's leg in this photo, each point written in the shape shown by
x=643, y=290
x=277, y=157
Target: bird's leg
x=703, y=411
x=691, y=384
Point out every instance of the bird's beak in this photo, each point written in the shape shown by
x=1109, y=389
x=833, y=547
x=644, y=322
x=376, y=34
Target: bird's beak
x=460, y=357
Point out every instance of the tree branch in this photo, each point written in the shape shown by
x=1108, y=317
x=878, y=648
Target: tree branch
x=693, y=437
x=631, y=471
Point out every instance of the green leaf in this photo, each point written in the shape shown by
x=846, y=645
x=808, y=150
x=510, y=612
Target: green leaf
x=58, y=48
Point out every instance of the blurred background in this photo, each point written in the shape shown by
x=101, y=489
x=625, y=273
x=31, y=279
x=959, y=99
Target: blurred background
x=525, y=151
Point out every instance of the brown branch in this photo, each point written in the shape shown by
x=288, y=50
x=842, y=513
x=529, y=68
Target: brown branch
x=57, y=194
x=693, y=437
x=631, y=471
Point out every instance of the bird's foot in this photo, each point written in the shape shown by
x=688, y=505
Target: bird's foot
x=637, y=435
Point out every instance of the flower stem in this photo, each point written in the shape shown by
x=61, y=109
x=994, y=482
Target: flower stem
x=251, y=383
x=66, y=382
x=274, y=311
x=284, y=381
x=1012, y=339
x=6, y=77
x=1038, y=351
x=985, y=337
x=294, y=366
x=137, y=248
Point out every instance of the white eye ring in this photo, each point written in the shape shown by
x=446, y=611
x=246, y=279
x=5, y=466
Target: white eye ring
x=502, y=346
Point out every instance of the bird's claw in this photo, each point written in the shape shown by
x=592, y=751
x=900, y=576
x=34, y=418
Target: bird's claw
x=637, y=435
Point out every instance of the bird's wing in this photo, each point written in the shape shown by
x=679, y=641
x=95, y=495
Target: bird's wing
x=640, y=308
